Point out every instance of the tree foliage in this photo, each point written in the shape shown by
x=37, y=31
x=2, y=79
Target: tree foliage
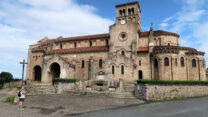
x=5, y=77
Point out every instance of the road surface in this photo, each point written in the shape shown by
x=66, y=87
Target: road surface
x=183, y=108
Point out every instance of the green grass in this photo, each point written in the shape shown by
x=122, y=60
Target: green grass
x=9, y=100
x=66, y=80
x=170, y=82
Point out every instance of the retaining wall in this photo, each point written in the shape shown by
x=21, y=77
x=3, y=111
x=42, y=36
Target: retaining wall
x=162, y=92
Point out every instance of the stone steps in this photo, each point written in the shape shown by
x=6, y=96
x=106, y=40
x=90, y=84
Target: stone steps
x=40, y=89
x=101, y=94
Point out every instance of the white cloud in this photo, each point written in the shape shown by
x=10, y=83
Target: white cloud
x=163, y=25
x=23, y=22
x=187, y=17
x=168, y=19
x=189, y=24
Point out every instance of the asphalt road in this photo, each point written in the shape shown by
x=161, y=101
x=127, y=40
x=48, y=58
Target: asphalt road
x=184, y=108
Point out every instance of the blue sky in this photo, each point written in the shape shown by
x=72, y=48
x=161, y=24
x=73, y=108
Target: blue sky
x=24, y=22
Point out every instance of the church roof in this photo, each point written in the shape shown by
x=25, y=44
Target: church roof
x=39, y=49
x=87, y=37
x=105, y=36
x=47, y=42
x=143, y=49
x=69, y=62
x=176, y=49
x=129, y=3
x=157, y=33
x=78, y=50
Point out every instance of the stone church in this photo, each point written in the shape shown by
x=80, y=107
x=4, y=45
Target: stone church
x=126, y=53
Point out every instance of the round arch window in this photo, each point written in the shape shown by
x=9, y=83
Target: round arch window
x=122, y=36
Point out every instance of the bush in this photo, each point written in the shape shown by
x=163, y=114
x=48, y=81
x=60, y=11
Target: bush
x=9, y=100
x=168, y=82
x=67, y=80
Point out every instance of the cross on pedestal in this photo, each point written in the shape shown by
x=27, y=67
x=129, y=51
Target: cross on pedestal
x=23, y=69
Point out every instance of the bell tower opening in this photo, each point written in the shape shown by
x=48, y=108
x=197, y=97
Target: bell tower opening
x=128, y=12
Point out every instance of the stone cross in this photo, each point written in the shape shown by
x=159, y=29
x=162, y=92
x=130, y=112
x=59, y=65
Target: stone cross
x=23, y=69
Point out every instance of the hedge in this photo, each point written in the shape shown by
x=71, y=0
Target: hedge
x=170, y=82
x=67, y=80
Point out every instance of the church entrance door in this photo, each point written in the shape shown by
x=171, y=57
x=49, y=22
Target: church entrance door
x=140, y=74
x=37, y=73
x=55, y=70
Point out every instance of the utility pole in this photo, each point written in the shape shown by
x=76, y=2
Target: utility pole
x=23, y=69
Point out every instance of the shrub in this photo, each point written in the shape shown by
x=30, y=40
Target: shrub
x=67, y=80
x=1, y=86
x=6, y=77
x=170, y=82
x=9, y=100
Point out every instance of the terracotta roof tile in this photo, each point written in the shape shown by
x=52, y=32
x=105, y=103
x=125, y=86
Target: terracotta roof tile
x=39, y=49
x=79, y=50
x=157, y=33
x=143, y=49
x=87, y=37
x=47, y=42
x=69, y=62
x=175, y=49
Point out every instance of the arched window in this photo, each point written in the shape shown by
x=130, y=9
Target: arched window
x=132, y=10
x=106, y=42
x=124, y=12
x=90, y=43
x=129, y=11
x=83, y=63
x=113, y=69
x=168, y=44
x=140, y=62
x=75, y=44
x=182, y=62
x=100, y=63
x=120, y=11
x=61, y=45
x=155, y=63
x=193, y=62
x=122, y=53
x=176, y=61
x=140, y=75
x=166, y=61
x=122, y=69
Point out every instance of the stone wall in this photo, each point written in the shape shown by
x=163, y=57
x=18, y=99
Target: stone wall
x=61, y=87
x=12, y=84
x=162, y=92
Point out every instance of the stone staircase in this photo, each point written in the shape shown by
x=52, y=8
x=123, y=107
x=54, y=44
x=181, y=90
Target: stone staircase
x=128, y=92
x=40, y=89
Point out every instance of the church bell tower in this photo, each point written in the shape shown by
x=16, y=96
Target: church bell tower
x=129, y=12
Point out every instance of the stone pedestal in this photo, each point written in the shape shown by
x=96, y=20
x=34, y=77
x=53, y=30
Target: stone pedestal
x=120, y=85
x=80, y=85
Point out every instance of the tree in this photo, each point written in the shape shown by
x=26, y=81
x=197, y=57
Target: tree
x=6, y=77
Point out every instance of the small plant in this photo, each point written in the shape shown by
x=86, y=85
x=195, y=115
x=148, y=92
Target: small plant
x=170, y=82
x=67, y=80
x=9, y=100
